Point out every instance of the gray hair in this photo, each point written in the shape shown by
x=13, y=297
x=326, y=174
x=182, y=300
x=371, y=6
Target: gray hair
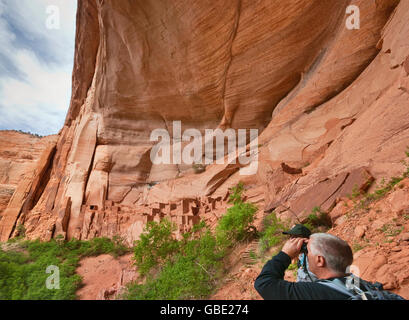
x=336, y=252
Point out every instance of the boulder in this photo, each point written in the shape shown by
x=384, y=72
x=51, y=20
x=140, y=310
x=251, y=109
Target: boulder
x=360, y=231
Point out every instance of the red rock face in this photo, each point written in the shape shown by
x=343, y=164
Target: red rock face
x=104, y=277
x=19, y=156
x=326, y=100
x=380, y=238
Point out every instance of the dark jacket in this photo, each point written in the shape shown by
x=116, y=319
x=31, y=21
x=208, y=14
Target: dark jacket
x=270, y=284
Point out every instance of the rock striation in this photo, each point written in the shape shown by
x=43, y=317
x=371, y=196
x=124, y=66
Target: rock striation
x=330, y=105
x=20, y=158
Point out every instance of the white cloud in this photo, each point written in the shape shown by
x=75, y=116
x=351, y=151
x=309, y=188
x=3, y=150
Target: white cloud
x=35, y=65
x=41, y=85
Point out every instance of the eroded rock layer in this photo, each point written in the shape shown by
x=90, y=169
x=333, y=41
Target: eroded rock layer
x=22, y=175
x=330, y=105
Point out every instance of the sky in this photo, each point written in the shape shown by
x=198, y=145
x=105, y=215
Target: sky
x=37, y=40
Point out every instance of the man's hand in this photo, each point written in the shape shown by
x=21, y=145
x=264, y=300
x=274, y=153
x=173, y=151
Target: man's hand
x=293, y=247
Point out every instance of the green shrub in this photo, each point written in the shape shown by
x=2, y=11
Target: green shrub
x=21, y=231
x=237, y=192
x=188, y=268
x=22, y=272
x=156, y=245
x=190, y=274
x=272, y=232
x=187, y=273
x=317, y=218
x=235, y=225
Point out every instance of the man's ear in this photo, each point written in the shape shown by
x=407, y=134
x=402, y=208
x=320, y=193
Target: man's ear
x=320, y=261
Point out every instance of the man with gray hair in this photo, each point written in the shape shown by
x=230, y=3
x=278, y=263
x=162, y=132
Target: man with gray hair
x=328, y=258
x=335, y=252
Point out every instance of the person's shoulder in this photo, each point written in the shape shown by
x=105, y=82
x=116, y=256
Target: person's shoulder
x=318, y=291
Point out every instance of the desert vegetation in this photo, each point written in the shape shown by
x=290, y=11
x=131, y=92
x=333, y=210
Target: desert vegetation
x=23, y=266
x=189, y=268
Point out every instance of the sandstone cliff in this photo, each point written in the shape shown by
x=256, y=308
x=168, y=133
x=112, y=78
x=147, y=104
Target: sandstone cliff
x=330, y=104
x=19, y=156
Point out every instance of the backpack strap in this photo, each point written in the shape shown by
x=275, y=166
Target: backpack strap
x=372, y=290
x=339, y=286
